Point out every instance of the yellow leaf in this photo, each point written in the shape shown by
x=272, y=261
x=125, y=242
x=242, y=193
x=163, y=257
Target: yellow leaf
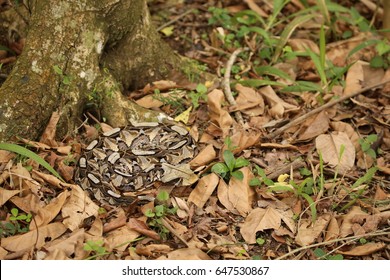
x=168, y=31
x=183, y=117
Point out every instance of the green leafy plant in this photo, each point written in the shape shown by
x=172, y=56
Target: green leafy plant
x=228, y=168
x=95, y=248
x=366, y=144
x=322, y=255
x=359, y=182
x=261, y=178
x=27, y=153
x=159, y=212
x=18, y=223
x=200, y=93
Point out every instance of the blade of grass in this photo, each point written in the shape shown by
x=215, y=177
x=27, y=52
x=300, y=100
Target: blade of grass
x=27, y=153
x=287, y=32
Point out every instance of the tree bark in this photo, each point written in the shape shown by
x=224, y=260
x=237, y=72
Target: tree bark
x=78, y=52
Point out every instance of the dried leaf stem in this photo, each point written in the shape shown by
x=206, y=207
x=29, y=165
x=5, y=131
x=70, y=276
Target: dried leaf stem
x=226, y=83
x=321, y=108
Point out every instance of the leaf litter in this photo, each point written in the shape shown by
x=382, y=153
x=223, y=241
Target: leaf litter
x=225, y=218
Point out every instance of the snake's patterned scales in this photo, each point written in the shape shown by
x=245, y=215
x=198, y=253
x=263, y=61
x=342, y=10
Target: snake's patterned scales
x=123, y=162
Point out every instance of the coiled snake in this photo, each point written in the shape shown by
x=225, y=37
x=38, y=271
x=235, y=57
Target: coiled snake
x=122, y=163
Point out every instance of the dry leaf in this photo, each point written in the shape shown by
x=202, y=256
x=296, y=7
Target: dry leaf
x=331, y=145
x=218, y=115
x=254, y=7
x=78, y=207
x=240, y=194
x=46, y=214
x=35, y=238
x=244, y=139
x=5, y=195
x=122, y=236
x=141, y=227
x=354, y=78
x=333, y=230
x=3, y=253
x=315, y=126
x=347, y=220
x=186, y=254
x=308, y=233
x=364, y=250
x=248, y=101
x=203, y=190
x=223, y=196
x=65, y=244
x=259, y=219
x=205, y=156
x=48, y=136
x=278, y=106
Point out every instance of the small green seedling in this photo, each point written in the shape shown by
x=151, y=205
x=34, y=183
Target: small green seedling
x=18, y=223
x=366, y=143
x=200, y=93
x=159, y=212
x=95, y=248
x=228, y=168
x=320, y=254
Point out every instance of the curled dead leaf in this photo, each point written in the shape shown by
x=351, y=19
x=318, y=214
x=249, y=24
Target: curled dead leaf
x=364, y=250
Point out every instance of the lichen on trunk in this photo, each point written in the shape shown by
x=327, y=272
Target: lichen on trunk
x=78, y=52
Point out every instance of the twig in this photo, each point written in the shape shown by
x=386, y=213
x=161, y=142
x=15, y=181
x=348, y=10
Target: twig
x=175, y=19
x=321, y=108
x=226, y=83
x=382, y=232
x=173, y=231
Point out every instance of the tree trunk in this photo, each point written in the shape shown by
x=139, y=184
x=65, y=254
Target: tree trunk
x=80, y=51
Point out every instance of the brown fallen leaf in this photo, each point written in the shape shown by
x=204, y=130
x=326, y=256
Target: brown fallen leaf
x=260, y=219
x=65, y=244
x=248, y=101
x=78, y=207
x=205, y=156
x=223, y=196
x=278, y=107
x=308, y=233
x=3, y=253
x=48, y=136
x=141, y=227
x=186, y=254
x=5, y=195
x=254, y=7
x=35, y=238
x=152, y=250
x=333, y=230
x=314, y=126
x=203, y=190
x=122, y=236
x=364, y=250
x=347, y=220
x=337, y=150
x=218, y=115
x=45, y=215
x=240, y=193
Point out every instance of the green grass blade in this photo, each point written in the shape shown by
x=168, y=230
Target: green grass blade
x=287, y=32
x=312, y=206
x=27, y=153
x=269, y=70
